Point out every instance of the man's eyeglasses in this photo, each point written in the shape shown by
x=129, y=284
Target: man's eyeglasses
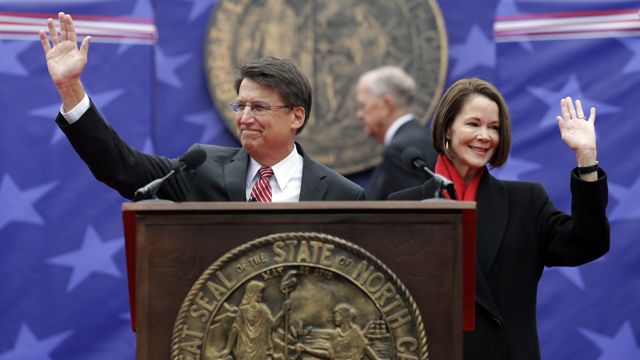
x=257, y=108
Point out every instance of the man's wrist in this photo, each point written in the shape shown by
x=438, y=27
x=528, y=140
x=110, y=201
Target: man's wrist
x=71, y=93
x=76, y=112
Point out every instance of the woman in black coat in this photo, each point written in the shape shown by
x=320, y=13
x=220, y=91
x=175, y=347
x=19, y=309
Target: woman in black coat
x=519, y=229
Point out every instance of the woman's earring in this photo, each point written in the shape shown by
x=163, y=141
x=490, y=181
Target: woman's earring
x=446, y=145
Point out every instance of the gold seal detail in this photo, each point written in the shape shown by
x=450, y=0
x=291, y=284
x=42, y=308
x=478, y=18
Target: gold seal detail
x=298, y=296
x=333, y=42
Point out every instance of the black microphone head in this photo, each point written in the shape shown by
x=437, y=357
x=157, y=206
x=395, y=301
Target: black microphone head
x=412, y=157
x=192, y=159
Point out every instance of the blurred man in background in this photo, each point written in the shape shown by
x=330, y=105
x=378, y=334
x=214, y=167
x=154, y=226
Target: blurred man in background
x=385, y=97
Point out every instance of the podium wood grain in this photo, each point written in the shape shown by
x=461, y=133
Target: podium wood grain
x=421, y=242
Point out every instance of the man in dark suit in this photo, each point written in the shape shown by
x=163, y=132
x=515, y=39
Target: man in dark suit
x=385, y=96
x=272, y=107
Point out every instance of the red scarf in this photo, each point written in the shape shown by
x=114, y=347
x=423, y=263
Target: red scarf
x=464, y=192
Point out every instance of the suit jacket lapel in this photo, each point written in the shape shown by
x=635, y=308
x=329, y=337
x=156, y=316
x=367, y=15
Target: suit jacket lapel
x=235, y=176
x=493, y=210
x=313, y=187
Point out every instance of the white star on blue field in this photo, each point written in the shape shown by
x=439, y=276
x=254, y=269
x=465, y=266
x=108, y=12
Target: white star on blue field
x=618, y=346
x=10, y=60
x=102, y=100
x=94, y=256
x=19, y=205
x=633, y=45
x=199, y=8
x=628, y=200
x=28, y=347
x=210, y=123
x=570, y=88
x=477, y=50
x=168, y=66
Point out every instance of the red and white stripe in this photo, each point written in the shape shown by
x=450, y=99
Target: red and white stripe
x=261, y=190
x=117, y=30
x=566, y=26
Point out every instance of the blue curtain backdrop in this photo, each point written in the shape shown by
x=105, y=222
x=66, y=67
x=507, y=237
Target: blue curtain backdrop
x=63, y=290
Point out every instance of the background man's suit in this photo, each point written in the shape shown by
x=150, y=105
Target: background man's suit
x=222, y=177
x=519, y=229
x=392, y=174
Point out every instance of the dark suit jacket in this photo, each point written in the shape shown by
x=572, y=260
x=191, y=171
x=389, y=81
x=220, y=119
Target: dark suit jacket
x=222, y=177
x=519, y=232
x=392, y=174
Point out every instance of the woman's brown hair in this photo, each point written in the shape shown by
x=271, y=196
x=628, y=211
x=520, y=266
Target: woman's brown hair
x=450, y=106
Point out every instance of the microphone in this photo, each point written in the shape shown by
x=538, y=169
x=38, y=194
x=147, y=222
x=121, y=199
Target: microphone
x=189, y=161
x=412, y=157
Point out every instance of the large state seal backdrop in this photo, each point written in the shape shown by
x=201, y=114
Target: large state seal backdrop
x=334, y=42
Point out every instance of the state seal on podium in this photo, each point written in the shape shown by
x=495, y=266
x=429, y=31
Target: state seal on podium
x=298, y=296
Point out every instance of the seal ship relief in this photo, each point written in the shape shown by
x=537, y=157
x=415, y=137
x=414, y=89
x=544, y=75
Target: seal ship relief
x=298, y=296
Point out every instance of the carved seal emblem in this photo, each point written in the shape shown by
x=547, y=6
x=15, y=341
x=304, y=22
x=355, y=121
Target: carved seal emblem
x=333, y=42
x=298, y=296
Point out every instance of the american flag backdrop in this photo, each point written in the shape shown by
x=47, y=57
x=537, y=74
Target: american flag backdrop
x=63, y=284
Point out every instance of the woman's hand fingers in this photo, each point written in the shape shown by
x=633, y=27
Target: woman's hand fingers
x=579, y=111
x=572, y=109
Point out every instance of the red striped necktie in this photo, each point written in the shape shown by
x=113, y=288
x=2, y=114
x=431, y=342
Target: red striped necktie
x=261, y=191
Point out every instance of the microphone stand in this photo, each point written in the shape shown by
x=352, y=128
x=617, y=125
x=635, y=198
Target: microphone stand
x=413, y=158
x=190, y=161
x=149, y=191
x=442, y=184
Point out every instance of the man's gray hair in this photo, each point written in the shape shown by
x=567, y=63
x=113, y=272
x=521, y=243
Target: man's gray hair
x=391, y=80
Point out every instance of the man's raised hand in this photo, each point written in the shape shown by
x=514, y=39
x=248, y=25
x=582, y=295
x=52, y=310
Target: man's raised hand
x=65, y=61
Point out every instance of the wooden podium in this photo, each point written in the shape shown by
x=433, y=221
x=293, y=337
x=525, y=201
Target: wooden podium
x=169, y=245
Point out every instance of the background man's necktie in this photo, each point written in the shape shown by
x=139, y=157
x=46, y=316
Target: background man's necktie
x=261, y=190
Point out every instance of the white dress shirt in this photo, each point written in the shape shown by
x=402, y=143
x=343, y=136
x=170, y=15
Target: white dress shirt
x=286, y=181
x=76, y=113
x=393, y=129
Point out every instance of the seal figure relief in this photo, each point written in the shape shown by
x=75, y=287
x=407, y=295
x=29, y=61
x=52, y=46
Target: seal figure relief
x=333, y=42
x=298, y=296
